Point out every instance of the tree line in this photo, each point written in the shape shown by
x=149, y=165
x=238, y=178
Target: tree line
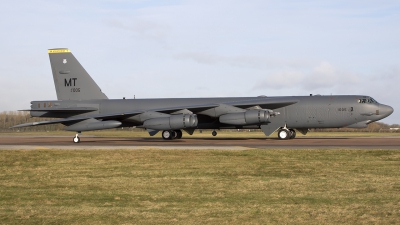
x=12, y=118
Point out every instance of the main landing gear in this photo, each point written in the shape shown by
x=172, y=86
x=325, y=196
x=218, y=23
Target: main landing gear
x=285, y=133
x=76, y=139
x=171, y=134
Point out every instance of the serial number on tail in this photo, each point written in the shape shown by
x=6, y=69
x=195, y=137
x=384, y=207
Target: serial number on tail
x=75, y=90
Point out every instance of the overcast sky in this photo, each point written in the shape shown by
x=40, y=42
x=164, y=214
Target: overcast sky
x=158, y=49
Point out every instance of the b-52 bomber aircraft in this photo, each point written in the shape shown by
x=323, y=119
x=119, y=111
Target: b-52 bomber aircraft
x=82, y=106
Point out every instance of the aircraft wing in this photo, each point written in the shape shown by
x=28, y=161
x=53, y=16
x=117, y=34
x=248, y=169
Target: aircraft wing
x=265, y=103
x=80, y=118
x=117, y=116
x=70, y=109
x=193, y=108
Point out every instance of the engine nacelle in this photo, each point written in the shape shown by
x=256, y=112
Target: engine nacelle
x=174, y=122
x=250, y=117
x=93, y=124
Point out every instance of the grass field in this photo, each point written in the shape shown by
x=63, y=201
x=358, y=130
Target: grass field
x=200, y=187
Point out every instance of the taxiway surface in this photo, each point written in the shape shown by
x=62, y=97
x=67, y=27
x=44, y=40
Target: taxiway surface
x=41, y=142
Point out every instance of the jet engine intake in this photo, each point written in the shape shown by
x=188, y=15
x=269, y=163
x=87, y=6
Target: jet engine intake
x=174, y=122
x=250, y=117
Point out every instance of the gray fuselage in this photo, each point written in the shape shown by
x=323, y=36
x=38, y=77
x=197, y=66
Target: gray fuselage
x=309, y=112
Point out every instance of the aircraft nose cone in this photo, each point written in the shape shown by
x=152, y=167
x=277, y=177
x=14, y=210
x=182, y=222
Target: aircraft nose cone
x=385, y=110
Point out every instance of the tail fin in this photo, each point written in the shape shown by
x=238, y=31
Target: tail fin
x=71, y=79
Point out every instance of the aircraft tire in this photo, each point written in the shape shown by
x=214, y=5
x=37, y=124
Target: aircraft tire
x=292, y=133
x=214, y=133
x=173, y=134
x=178, y=134
x=168, y=134
x=76, y=139
x=283, y=134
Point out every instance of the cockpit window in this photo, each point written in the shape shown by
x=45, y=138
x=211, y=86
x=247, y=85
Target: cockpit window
x=367, y=100
x=373, y=100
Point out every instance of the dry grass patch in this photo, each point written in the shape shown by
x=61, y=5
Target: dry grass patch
x=200, y=187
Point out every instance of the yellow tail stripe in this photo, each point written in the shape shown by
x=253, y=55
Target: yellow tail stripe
x=58, y=50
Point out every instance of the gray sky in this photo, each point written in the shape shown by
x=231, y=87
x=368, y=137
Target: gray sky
x=157, y=49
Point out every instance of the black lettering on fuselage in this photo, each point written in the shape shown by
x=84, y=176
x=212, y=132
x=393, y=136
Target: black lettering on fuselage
x=71, y=82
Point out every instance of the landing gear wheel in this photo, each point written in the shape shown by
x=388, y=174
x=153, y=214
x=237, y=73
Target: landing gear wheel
x=168, y=134
x=292, y=133
x=283, y=134
x=214, y=133
x=178, y=134
x=173, y=134
x=76, y=139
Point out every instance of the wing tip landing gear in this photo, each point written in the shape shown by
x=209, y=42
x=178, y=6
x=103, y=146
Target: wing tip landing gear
x=76, y=139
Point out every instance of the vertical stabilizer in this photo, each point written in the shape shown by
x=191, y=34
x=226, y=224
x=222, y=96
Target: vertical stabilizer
x=71, y=79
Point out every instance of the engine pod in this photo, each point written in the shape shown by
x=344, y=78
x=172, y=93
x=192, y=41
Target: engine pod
x=250, y=117
x=93, y=124
x=174, y=122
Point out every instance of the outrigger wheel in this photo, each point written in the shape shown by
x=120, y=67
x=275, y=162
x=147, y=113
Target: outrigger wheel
x=76, y=139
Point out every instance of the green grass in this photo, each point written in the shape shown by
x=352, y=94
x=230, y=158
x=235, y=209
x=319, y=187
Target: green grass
x=200, y=187
x=206, y=134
